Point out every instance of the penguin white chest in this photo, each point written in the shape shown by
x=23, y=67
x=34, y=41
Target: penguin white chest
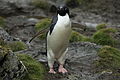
x=62, y=28
x=59, y=37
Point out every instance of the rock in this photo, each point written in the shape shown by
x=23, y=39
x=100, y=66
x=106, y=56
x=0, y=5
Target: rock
x=35, y=69
x=5, y=36
x=79, y=60
x=5, y=8
x=21, y=27
x=38, y=53
x=10, y=67
x=117, y=37
x=19, y=7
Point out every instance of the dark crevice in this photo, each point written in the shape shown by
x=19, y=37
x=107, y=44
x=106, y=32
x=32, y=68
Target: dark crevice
x=3, y=60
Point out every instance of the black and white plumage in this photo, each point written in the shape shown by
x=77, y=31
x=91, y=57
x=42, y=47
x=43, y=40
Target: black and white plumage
x=58, y=39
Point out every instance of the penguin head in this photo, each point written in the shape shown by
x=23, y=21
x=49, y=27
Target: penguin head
x=62, y=10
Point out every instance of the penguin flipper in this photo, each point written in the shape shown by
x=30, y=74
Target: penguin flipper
x=53, y=22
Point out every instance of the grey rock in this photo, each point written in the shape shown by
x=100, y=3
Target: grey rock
x=21, y=27
x=79, y=63
x=10, y=67
x=5, y=8
x=5, y=35
x=19, y=7
x=36, y=51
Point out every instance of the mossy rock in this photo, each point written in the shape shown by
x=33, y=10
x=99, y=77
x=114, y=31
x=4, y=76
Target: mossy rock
x=36, y=71
x=101, y=26
x=109, y=58
x=3, y=51
x=76, y=37
x=44, y=23
x=104, y=37
x=3, y=43
x=2, y=22
x=14, y=46
x=43, y=4
x=17, y=46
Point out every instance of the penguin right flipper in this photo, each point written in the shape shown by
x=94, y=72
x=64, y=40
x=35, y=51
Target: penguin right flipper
x=53, y=22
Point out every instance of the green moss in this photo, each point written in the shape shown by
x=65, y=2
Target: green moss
x=17, y=46
x=35, y=69
x=3, y=43
x=14, y=46
x=2, y=22
x=100, y=26
x=76, y=37
x=109, y=58
x=44, y=23
x=104, y=37
x=43, y=4
x=3, y=51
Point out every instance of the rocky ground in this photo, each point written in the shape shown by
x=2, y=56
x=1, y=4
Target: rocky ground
x=20, y=17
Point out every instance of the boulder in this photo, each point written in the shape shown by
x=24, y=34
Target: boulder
x=10, y=67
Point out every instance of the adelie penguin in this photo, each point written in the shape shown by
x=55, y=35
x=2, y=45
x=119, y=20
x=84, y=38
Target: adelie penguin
x=58, y=39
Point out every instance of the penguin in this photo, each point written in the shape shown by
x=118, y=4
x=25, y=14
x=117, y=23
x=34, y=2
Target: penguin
x=58, y=39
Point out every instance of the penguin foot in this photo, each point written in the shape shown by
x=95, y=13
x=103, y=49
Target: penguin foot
x=62, y=69
x=52, y=71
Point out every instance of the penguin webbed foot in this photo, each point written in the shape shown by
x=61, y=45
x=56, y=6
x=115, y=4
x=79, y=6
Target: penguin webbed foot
x=52, y=71
x=62, y=69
